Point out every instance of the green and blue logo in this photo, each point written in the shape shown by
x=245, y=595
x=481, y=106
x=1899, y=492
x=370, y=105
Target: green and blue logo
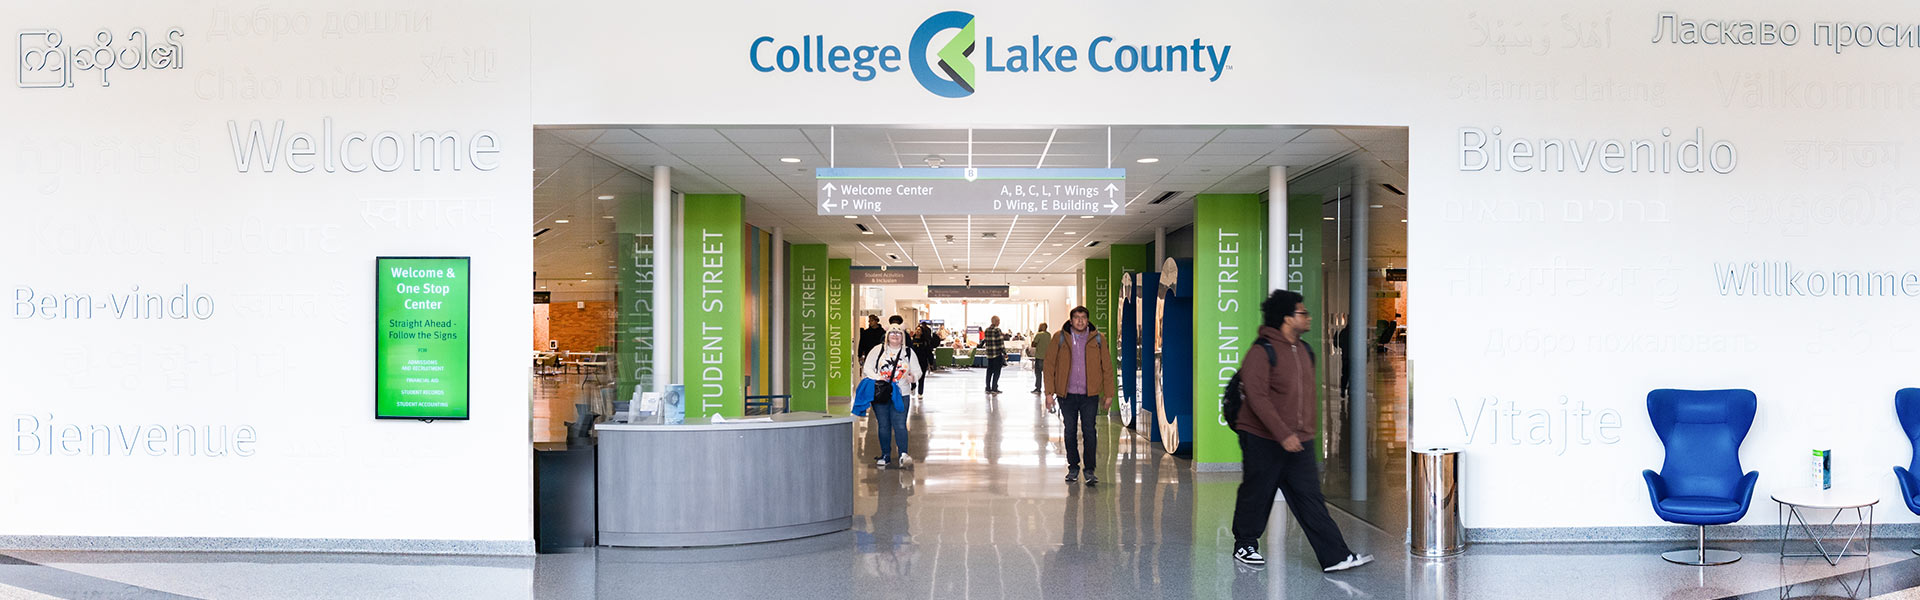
x=951, y=72
x=955, y=58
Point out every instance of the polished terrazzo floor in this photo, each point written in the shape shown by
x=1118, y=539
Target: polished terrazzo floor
x=983, y=514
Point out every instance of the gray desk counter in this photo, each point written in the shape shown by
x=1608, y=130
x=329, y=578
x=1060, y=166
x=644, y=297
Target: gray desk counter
x=725, y=483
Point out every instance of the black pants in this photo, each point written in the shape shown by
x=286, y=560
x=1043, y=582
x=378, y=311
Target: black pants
x=994, y=364
x=926, y=368
x=1269, y=467
x=1039, y=374
x=1076, y=413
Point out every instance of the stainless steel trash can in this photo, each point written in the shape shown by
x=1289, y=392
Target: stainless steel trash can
x=1435, y=515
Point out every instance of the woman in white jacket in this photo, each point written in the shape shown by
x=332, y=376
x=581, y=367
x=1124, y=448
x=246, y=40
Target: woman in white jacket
x=892, y=364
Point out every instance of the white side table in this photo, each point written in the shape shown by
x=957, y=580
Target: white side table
x=1793, y=501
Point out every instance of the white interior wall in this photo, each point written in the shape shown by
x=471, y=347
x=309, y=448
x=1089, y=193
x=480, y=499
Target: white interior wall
x=1576, y=290
x=135, y=185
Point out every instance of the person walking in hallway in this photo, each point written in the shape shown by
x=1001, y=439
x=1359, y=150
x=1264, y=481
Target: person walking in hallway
x=924, y=343
x=892, y=364
x=1275, y=426
x=1038, y=348
x=1340, y=342
x=1080, y=382
x=993, y=344
x=872, y=336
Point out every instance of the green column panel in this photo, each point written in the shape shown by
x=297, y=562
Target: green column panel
x=840, y=328
x=809, y=350
x=1099, y=292
x=1229, y=276
x=1304, y=276
x=633, y=321
x=714, y=292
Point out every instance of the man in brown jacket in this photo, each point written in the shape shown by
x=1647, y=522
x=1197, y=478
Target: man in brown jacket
x=1275, y=426
x=1079, y=377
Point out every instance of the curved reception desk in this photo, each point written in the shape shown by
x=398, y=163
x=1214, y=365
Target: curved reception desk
x=725, y=483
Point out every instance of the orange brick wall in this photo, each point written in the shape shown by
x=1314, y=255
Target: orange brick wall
x=581, y=329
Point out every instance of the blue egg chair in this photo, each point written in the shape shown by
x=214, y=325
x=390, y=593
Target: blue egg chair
x=1906, y=407
x=1701, y=483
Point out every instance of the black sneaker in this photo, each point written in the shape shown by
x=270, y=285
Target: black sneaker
x=1073, y=475
x=1092, y=479
x=1249, y=556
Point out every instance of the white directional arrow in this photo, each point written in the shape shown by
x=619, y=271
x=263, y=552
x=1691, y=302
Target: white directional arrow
x=826, y=205
x=828, y=189
x=1112, y=207
x=1111, y=188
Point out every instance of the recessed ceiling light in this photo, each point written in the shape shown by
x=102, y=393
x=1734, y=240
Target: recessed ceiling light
x=1046, y=254
x=1086, y=216
x=881, y=244
x=866, y=233
x=1403, y=220
x=607, y=217
x=1326, y=218
x=589, y=272
x=853, y=216
x=1058, y=245
x=1377, y=206
x=562, y=221
x=1147, y=161
x=606, y=197
x=1066, y=233
x=543, y=287
x=583, y=281
x=789, y=160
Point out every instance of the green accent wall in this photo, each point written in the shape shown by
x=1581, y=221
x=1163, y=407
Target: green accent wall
x=841, y=332
x=808, y=351
x=714, y=294
x=1229, y=284
x=1099, y=293
x=633, y=321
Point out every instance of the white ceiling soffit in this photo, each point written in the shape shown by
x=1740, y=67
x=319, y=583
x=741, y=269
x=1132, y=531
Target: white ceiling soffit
x=575, y=167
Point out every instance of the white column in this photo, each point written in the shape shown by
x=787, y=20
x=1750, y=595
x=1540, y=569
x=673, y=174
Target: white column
x=1359, y=347
x=664, y=285
x=1159, y=248
x=1277, y=231
x=778, y=339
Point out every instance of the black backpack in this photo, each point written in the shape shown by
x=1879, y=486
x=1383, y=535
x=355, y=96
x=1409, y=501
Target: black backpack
x=1235, y=396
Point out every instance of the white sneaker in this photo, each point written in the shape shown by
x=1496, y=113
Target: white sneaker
x=906, y=461
x=880, y=463
x=1249, y=556
x=1353, y=560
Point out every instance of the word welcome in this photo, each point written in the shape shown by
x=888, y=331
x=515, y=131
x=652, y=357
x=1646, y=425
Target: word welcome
x=355, y=151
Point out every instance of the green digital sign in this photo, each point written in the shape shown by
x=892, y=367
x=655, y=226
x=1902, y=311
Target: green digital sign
x=421, y=335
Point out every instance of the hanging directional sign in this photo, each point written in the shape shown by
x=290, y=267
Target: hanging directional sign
x=967, y=191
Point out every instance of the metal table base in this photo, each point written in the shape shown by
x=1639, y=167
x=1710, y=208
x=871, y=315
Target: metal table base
x=1789, y=513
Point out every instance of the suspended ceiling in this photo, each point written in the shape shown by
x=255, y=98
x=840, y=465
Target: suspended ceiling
x=581, y=175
